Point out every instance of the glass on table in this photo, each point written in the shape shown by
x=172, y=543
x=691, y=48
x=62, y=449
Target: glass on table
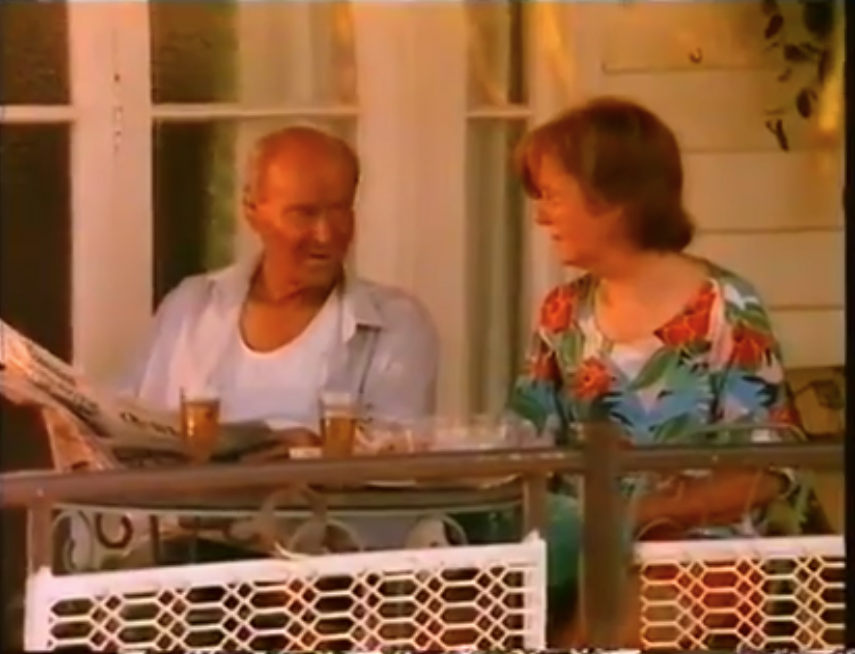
x=477, y=432
x=339, y=419
x=200, y=423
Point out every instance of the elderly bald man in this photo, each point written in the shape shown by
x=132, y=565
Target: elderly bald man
x=270, y=333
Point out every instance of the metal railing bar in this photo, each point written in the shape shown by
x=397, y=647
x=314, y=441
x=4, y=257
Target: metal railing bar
x=22, y=488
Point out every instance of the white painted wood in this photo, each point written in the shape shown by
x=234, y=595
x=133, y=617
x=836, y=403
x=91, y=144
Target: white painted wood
x=104, y=282
x=384, y=141
x=715, y=110
x=811, y=338
x=236, y=111
x=665, y=35
x=789, y=270
x=37, y=114
x=118, y=319
x=412, y=138
x=764, y=191
x=510, y=112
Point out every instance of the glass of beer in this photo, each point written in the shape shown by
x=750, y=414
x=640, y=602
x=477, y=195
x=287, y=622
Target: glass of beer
x=200, y=424
x=339, y=415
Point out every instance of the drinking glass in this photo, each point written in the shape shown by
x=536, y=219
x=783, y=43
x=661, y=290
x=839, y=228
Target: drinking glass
x=200, y=424
x=339, y=417
x=478, y=432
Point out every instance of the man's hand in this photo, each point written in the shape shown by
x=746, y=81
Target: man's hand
x=11, y=385
x=288, y=440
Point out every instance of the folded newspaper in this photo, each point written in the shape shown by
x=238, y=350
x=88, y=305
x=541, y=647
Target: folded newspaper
x=118, y=432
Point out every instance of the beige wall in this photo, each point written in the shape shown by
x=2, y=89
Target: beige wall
x=773, y=216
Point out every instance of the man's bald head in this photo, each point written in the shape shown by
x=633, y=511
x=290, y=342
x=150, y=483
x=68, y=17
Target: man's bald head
x=299, y=196
x=302, y=147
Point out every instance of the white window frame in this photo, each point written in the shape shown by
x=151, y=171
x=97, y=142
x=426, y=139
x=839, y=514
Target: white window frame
x=95, y=225
x=411, y=118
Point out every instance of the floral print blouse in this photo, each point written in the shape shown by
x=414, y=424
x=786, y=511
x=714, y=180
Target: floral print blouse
x=716, y=362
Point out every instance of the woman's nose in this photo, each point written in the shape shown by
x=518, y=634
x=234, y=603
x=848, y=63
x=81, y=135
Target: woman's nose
x=541, y=215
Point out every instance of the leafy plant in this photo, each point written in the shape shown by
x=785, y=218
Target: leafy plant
x=807, y=46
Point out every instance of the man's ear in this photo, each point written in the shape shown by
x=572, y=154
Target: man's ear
x=250, y=207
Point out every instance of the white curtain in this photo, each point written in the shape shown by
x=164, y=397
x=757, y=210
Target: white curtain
x=495, y=205
x=293, y=58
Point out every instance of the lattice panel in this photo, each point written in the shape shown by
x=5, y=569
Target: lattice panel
x=752, y=593
x=490, y=597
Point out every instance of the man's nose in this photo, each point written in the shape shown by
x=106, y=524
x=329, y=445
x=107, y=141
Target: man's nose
x=322, y=232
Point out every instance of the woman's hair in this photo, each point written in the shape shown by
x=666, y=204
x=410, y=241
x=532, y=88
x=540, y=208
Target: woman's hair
x=622, y=155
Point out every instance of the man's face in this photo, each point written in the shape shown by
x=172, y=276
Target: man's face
x=302, y=210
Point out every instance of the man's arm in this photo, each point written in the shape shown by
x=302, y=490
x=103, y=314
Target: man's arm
x=402, y=377
x=162, y=335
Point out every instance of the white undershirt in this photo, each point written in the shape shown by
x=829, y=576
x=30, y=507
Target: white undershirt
x=282, y=387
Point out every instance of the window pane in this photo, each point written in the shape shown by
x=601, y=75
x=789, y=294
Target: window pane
x=496, y=210
x=33, y=52
x=497, y=46
x=36, y=232
x=256, y=53
x=198, y=169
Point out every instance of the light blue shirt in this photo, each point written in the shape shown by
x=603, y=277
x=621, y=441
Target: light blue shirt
x=386, y=356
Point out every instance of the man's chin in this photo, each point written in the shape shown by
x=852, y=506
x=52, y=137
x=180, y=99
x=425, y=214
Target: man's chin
x=320, y=271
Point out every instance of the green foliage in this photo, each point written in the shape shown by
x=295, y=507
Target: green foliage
x=810, y=44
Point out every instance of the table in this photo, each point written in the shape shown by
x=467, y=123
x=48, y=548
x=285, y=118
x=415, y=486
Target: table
x=130, y=531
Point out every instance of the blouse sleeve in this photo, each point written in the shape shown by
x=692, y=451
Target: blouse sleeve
x=538, y=394
x=752, y=385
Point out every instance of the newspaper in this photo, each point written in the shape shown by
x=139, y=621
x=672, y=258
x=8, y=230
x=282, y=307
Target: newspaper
x=118, y=432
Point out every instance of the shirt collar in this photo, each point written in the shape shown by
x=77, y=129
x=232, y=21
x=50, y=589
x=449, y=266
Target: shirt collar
x=359, y=301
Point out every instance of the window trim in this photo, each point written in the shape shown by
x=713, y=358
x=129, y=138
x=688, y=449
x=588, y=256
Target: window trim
x=99, y=300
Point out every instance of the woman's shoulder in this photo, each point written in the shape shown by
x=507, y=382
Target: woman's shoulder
x=740, y=298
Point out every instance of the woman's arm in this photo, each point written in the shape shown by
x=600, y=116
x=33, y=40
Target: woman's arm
x=720, y=499
x=749, y=388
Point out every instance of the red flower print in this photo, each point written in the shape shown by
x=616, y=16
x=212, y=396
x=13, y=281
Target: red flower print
x=677, y=333
x=697, y=313
x=693, y=323
x=750, y=346
x=591, y=380
x=557, y=310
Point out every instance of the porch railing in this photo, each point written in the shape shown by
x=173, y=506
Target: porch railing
x=600, y=461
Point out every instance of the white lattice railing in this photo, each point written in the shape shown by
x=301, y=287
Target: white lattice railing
x=487, y=597
x=780, y=593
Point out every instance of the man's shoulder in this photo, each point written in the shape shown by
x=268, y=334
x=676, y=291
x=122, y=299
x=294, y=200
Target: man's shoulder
x=394, y=306
x=188, y=289
x=198, y=287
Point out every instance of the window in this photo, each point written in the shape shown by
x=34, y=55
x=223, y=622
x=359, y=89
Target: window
x=56, y=144
x=433, y=95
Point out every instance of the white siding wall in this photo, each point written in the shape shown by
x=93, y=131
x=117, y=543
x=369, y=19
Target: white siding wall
x=775, y=217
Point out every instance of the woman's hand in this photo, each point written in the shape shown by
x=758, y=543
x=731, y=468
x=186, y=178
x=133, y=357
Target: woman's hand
x=288, y=440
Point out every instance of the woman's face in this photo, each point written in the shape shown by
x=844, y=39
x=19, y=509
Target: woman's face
x=582, y=235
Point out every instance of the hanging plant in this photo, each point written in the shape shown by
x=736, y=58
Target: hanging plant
x=804, y=34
